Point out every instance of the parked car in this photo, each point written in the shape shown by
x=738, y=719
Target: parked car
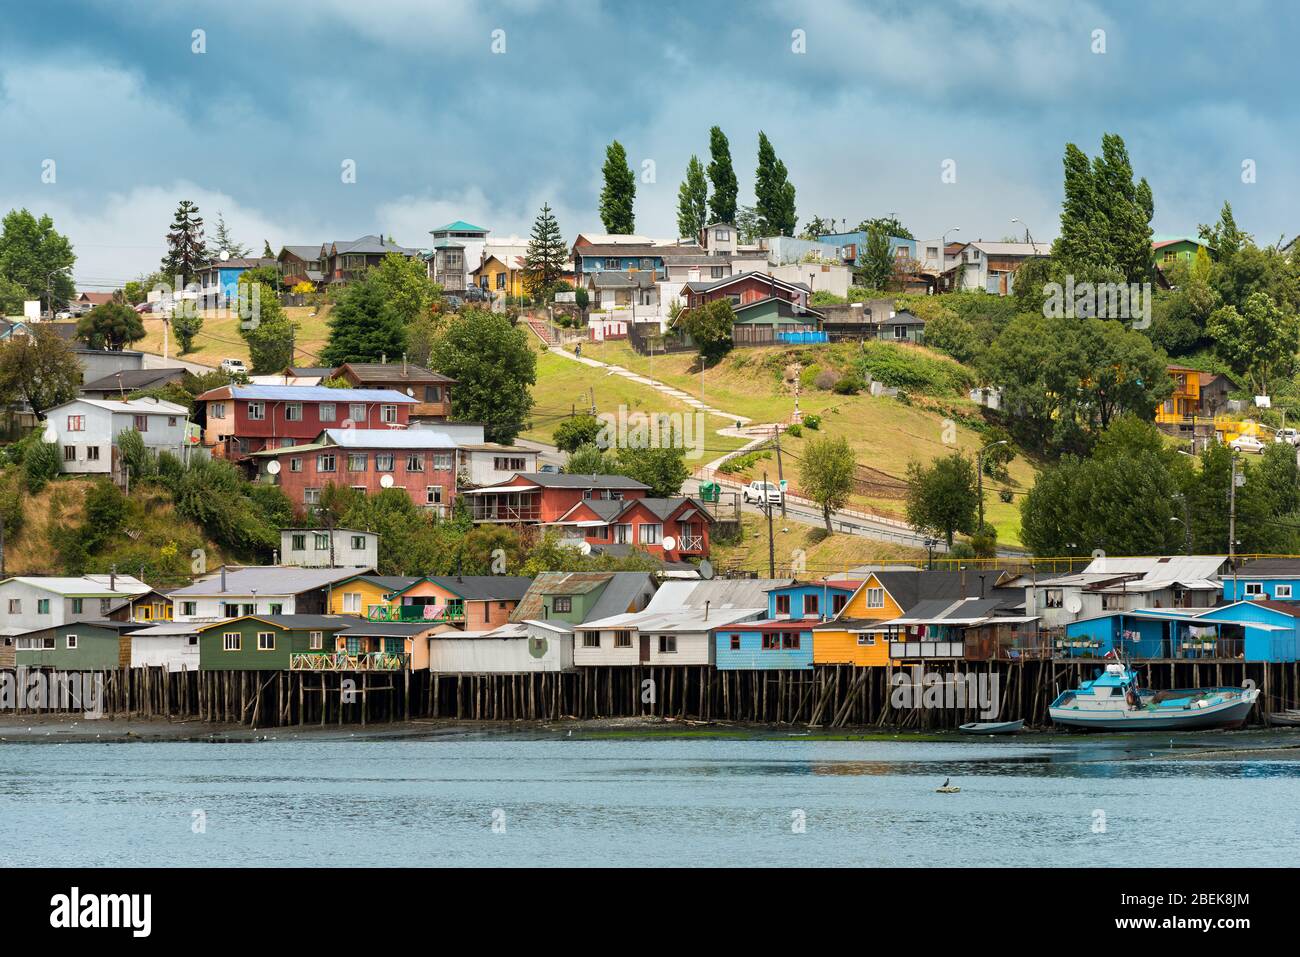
x=452, y=303
x=548, y=468
x=762, y=492
x=475, y=294
x=234, y=366
x=1289, y=436
x=1247, y=443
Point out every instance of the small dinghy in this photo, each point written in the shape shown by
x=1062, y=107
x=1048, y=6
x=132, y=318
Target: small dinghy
x=1284, y=719
x=992, y=727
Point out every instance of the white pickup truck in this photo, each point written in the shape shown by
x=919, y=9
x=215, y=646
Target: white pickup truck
x=761, y=492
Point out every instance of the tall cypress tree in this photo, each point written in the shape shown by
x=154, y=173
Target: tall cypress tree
x=722, y=204
x=544, y=259
x=693, y=200
x=619, y=192
x=186, y=249
x=1105, y=218
x=774, y=192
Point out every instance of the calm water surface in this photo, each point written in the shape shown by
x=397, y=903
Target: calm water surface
x=644, y=802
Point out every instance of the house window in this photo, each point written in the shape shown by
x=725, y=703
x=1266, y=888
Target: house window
x=357, y=461
x=900, y=332
x=69, y=453
x=388, y=413
x=266, y=641
x=231, y=641
x=504, y=463
x=591, y=639
x=357, y=412
x=442, y=462
x=295, y=464
x=92, y=453
x=1283, y=591
x=562, y=604
x=76, y=423
x=501, y=280
x=1254, y=589
x=415, y=463
x=622, y=639
x=352, y=601
x=384, y=461
x=276, y=608
x=735, y=642
x=865, y=640
x=42, y=606
x=1112, y=602
x=790, y=640
x=433, y=494
x=141, y=423
x=311, y=496
x=70, y=642
x=875, y=598
x=1052, y=598
x=433, y=393
x=358, y=542
x=15, y=606
x=667, y=644
x=322, y=541
x=250, y=609
x=256, y=411
x=837, y=603
x=811, y=605
x=716, y=272
x=171, y=421
x=293, y=412
x=325, y=462
x=298, y=541
x=328, y=412
x=649, y=533
x=216, y=410
x=623, y=534
x=315, y=641
x=189, y=607
x=230, y=610
x=77, y=605
x=783, y=604
x=771, y=642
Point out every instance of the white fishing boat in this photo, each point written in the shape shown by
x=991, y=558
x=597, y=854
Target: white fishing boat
x=1114, y=702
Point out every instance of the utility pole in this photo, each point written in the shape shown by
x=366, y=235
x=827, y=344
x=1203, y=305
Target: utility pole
x=771, y=547
x=780, y=471
x=1232, y=514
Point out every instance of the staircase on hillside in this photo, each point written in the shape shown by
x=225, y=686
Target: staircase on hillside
x=543, y=331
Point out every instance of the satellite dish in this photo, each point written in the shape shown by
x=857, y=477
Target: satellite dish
x=1073, y=604
x=584, y=547
x=706, y=569
x=225, y=255
x=273, y=468
x=386, y=481
x=537, y=646
x=410, y=392
x=669, y=543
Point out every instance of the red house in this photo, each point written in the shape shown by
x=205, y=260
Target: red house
x=241, y=419
x=744, y=288
x=598, y=509
x=421, y=462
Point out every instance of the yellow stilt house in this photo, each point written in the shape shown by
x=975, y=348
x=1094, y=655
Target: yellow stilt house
x=357, y=596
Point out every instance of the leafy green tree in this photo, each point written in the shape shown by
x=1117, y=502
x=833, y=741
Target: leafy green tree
x=494, y=366
x=187, y=323
x=663, y=469
x=710, y=328
x=405, y=286
x=112, y=326
x=890, y=225
x=364, y=327
x=826, y=474
x=1106, y=217
x=270, y=334
x=774, y=192
x=693, y=200
x=187, y=251
x=136, y=455
x=722, y=178
x=574, y=432
x=222, y=241
x=41, y=465
x=1258, y=343
x=943, y=497
x=619, y=192
x=546, y=254
x=40, y=369
x=1223, y=238
x=875, y=264
x=589, y=459
x=35, y=258
x=748, y=227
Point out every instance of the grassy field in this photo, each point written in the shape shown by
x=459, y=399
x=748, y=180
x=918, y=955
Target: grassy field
x=821, y=554
x=219, y=338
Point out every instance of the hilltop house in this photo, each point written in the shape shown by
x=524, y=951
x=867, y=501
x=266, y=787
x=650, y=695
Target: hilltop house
x=456, y=250
x=329, y=548
x=347, y=261
x=87, y=429
x=241, y=419
x=992, y=267
x=1198, y=397
x=299, y=264
x=430, y=390
x=219, y=281
x=120, y=385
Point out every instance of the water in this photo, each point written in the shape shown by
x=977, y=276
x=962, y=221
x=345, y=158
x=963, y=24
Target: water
x=576, y=801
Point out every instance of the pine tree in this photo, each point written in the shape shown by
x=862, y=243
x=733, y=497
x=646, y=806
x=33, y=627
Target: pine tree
x=186, y=251
x=693, y=200
x=774, y=191
x=619, y=191
x=722, y=204
x=223, y=242
x=363, y=326
x=544, y=259
x=266, y=249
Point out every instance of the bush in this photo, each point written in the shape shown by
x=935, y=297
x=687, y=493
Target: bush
x=826, y=379
x=849, y=385
x=795, y=430
x=40, y=465
x=812, y=421
x=906, y=368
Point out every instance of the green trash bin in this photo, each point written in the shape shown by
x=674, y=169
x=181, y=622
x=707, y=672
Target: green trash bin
x=710, y=491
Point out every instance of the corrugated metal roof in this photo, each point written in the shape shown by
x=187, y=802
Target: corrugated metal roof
x=308, y=393
x=390, y=438
x=268, y=580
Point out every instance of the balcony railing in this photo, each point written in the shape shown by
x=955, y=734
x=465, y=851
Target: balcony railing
x=341, y=661
x=430, y=613
x=501, y=512
x=691, y=543
x=926, y=649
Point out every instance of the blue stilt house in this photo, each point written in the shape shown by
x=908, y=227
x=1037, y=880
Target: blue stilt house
x=784, y=640
x=1260, y=630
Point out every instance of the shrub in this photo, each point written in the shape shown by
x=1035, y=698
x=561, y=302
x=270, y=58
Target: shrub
x=849, y=385
x=795, y=430
x=906, y=368
x=40, y=465
x=826, y=380
x=813, y=421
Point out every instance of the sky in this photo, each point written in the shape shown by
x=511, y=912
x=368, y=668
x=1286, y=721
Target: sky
x=113, y=112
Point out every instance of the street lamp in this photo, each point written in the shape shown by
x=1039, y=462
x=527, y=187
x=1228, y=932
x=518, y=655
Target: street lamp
x=1027, y=234
x=1187, y=534
x=930, y=544
x=979, y=468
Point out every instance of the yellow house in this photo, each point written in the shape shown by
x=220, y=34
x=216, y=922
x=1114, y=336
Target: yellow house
x=357, y=596
x=855, y=635
x=498, y=276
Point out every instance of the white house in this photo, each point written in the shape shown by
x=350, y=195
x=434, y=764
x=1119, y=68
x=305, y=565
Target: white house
x=259, y=590
x=86, y=430
x=329, y=548
x=676, y=627
x=516, y=648
x=486, y=463
x=29, y=603
x=170, y=645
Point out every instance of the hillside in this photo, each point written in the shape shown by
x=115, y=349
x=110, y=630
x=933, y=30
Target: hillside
x=886, y=433
x=219, y=338
x=818, y=553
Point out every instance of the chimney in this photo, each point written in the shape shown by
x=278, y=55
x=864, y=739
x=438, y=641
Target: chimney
x=706, y=611
x=383, y=358
x=403, y=363
x=223, y=578
x=112, y=577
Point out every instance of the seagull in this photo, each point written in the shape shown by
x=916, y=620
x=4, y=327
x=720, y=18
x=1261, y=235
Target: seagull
x=945, y=781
